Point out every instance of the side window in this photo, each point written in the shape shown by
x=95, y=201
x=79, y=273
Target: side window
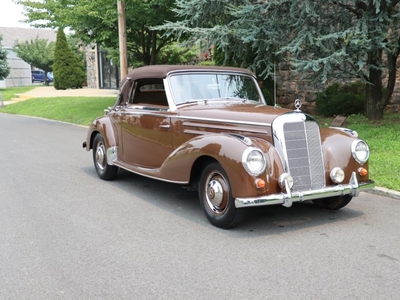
x=149, y=92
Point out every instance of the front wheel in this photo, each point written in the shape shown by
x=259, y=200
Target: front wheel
x=216, y=198
x=333, y=203
x=104, y=170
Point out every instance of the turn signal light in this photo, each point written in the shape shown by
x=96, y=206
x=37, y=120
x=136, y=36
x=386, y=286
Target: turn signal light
x=259, y=183
x=363, y=172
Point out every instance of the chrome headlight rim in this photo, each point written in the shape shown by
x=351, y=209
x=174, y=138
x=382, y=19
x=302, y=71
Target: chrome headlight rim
x=246, y=163
x=360, y=156
x=285, y=177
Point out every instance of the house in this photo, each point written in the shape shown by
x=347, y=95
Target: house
x=20, y=71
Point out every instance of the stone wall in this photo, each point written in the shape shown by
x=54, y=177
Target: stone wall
x=394, y=105
x=92, y=67
x=291, y=87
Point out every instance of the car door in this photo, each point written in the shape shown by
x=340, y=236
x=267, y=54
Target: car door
x=144, y=125
x=146, y=138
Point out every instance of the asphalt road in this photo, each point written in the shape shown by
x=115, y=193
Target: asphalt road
x=66, y=234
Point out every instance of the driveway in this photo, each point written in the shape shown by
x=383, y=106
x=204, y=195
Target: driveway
x=66, y=234
x=49, y=91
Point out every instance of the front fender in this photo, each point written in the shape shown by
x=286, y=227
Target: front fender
x=228, y=151
x=336, y=146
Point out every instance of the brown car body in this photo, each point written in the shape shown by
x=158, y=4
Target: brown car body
x=168, y=124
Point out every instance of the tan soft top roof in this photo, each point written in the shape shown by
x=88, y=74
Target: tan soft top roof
x=161, y=71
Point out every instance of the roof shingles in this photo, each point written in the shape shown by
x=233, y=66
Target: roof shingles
x=13, y=35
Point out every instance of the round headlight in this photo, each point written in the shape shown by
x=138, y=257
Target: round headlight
x=337, y=175
x=360, y=151
x=253, y=161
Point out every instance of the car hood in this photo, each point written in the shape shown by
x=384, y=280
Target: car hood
x=241, y=113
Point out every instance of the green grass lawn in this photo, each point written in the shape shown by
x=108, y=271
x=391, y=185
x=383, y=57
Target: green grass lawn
x=9, y=93
x=383, y=138
x=76, y=110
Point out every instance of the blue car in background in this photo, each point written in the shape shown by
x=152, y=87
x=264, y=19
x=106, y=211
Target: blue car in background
x=38, y=75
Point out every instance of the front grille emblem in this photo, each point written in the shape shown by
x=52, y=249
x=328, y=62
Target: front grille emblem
x=297, y=105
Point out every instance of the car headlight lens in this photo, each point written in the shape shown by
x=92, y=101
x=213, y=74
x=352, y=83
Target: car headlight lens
x=360, y=151
x=253, y=161
x=337, y=175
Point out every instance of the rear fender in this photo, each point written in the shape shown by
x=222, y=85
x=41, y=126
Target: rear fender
x=104, y=127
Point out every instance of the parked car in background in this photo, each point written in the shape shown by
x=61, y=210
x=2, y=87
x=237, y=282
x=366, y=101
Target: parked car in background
x=210, y=129
x=38, y=75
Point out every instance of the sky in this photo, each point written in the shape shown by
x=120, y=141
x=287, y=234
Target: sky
x=10, y=14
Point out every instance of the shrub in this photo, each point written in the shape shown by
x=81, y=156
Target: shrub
x=344, y=100
x=68, y=71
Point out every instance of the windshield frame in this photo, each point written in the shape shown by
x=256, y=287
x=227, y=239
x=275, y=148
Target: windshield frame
x=170, y=88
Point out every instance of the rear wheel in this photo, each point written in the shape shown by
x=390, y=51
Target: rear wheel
x=104, y=170
x=216, y=198
x=333, y=203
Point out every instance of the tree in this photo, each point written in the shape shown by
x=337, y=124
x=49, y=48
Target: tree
x=68, y=70
x=38, y=53
x=78, y=47
x=320, y=39
x=97, y=22
x=4, y=68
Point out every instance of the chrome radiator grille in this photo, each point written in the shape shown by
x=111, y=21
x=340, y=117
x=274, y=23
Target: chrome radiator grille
x=300, y=144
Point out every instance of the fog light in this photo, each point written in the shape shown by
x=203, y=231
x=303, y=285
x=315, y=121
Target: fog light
x=285, y=177
x=363, y=172
x=337, y=175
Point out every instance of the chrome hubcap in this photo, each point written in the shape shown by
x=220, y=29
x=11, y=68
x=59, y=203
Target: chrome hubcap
x=100, y=156
x=215, y=193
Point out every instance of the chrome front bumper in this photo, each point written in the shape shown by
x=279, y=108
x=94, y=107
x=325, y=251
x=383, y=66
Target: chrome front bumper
x=286, y=199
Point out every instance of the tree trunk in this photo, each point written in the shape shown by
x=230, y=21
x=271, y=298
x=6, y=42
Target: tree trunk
x=154, y=47
x=392, y=71
x=374, y=93
x=46, y=80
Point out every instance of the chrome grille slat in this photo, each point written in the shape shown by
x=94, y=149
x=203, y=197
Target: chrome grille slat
x=315, y=154
x=298, y=141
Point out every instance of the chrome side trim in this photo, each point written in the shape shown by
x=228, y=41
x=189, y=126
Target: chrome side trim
x=140, y=109
x=224, y=121
x=188, y=125
x=145, y=172
x=352, y=188
x=112, y=155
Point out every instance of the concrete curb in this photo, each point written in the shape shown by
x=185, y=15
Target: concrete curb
x=385, y=192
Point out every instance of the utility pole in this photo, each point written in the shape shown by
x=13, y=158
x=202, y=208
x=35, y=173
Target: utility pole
x=123, y=58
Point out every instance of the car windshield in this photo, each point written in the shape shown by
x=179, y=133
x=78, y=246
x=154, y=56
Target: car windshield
x=214, y=86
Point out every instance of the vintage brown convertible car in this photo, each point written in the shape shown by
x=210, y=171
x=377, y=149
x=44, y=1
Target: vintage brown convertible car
x=210, y=129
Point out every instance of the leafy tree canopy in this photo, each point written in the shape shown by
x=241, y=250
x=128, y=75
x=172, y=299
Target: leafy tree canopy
x=96, y=21
x=323, y=39
x=4, y=68
x=38, y=53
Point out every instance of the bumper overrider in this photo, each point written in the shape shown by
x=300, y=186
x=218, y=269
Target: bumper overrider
x=353, y=188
